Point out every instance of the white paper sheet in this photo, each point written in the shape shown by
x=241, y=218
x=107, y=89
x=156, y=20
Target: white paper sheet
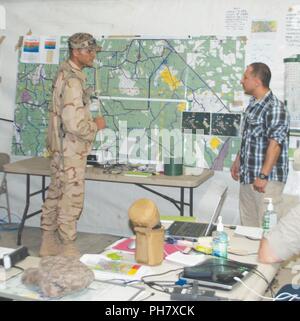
x=251, y=232
x=185, y=259
x=106, y=269
x=40, y=50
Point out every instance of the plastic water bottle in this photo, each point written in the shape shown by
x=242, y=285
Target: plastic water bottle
x=95, y=107
x=220, y=241
x=270, y=216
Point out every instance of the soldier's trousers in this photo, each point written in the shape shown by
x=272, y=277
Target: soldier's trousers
x=64, y=202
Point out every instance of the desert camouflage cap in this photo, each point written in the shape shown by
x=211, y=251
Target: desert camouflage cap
x=82, y=40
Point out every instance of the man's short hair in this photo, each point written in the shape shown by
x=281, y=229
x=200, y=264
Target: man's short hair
x=262, y=71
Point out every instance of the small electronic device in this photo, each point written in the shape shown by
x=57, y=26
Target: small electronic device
x=92, y=160
x=11, y=259
x=194, y=293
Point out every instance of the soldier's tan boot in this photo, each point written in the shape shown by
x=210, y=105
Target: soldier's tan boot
x=50, y=245
x=69, y=248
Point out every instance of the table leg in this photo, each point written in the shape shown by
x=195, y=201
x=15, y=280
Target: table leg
x=43, y=188
x=191, y=201
x=181, y=201
x=21, y=227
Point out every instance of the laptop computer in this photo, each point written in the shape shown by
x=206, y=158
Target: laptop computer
x=191, y=231
x=218, y=272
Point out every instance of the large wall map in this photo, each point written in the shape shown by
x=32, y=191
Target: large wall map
x=147, y=85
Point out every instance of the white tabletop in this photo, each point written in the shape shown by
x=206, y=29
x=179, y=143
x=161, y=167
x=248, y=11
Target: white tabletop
x=248, y=254
x=13, y=288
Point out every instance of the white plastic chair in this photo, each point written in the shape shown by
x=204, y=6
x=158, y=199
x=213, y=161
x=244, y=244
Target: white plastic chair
x=5, y=159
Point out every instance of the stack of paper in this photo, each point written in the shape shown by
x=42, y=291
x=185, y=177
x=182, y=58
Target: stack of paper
x=108, y=269
x=137, y=174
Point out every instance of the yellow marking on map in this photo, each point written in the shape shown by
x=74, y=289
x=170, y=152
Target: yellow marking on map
x=215, y=142
x=181, y=107
x=170, y=79
x=46, y=153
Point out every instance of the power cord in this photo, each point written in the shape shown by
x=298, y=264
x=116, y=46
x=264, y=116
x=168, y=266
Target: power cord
x=269, y=284
x=122, y=281
x=253, y=291
x=286, y=295
x=282, y=296
x=147, y=297
x=19, y=268
x=161, y=286
x=159, y=274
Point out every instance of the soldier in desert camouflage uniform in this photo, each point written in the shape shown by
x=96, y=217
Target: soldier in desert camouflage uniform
x=71, y=132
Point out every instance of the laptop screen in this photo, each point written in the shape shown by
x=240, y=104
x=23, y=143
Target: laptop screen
x=216, y=213
x=192, y=231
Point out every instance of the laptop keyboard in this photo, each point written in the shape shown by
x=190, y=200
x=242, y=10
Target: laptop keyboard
x=187, y=229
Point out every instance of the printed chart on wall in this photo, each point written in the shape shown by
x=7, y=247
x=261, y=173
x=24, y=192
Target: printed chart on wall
x=188, y=87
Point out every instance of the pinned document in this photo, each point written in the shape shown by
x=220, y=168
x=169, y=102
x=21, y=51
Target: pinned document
x=40, y=49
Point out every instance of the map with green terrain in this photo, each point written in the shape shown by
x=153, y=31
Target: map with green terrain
x=143, y=86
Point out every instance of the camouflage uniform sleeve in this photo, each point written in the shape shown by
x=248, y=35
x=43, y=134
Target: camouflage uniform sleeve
x=76, y=117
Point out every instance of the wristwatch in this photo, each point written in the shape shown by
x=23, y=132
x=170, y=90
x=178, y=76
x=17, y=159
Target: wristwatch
x=263, y=176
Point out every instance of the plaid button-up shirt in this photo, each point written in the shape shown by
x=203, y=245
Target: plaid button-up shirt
x=263, y=120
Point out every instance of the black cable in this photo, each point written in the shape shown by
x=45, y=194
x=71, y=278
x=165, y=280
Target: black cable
x=159, y=274
x=8, y=120
x=258, y=273
x=269, y=284
x=123, y=281
x=154, y=284
x=254, y=270
x=147, y=297
x=165, y=289
x=170, y=284
x=159, y=290
x=18, y=267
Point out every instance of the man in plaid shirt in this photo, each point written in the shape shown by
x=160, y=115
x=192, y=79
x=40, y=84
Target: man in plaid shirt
x=261, y=166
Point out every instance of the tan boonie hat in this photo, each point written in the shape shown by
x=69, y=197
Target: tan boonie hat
x=82, y=40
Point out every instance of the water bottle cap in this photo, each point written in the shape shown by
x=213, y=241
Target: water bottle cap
x=270, y=206
x=220, y=226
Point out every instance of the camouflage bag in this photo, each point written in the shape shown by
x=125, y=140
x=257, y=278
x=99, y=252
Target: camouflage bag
x=57, y=276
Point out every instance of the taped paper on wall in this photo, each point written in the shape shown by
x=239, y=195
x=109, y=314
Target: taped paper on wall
x=40, y=49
